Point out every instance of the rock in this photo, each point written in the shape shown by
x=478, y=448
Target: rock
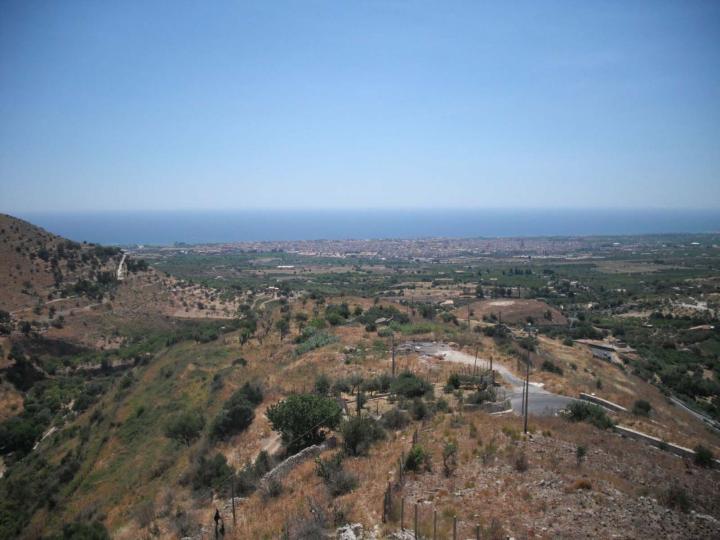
x=350, y=532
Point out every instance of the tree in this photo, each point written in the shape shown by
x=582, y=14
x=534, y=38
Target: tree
x=359, y=433
x=449, y=458
x=185, y=427
x=322, y=385
x=283, y=327
x=301, y=419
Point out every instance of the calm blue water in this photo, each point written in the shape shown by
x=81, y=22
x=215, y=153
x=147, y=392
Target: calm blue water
x=227, y=226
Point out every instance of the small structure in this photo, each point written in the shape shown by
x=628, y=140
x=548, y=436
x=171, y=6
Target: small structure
x=604, y=350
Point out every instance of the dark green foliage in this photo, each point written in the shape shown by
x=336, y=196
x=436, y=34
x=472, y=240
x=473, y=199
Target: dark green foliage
x=409, y=385
x=238, y=412
x=419, y=409
x=18, y=434
x=185, y=427
x=703, y=456
x=418, y=459
x=642, y=407
x=23, y=373
x=383, y=312
x=322, y=385
x=581, y=411
x=359, y=433
x=453, y=382
x=336, y=478
x=301, y=419
x=395, y=419
x=83, y=531
x=550, y=366
x=213, y=473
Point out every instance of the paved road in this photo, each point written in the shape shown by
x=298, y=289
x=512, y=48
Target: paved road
x=541, y=401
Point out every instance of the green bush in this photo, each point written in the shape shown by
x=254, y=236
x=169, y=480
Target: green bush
x=642, y=408
x=238, y=412
x=549, y=366
x=418, y=459
x=359, y=433
x=83, y=531
x=409, y=385
x=581, y=411
x=395, y=419
x=185, y=427
x=703, y=456
x=213, y=473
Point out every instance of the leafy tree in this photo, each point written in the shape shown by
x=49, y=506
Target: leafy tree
x=359, y=432
x=301, y=419
x=185, y=427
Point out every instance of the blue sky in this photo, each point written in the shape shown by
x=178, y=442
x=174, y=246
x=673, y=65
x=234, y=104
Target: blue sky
x=202, y=105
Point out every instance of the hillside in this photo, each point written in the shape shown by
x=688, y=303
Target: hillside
x=142, y=413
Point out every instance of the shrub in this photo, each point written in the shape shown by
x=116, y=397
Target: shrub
x=450, y=451
x=642, y=408
x=395, y=419
x=520, y=462
x=359, y=433
x=703, y=456
x=419, y=409
x=336, y=478
x=185, y=427
x=213, y=473
x=453, y=383
x=409, y=385
x=83, y=531
x=581, y=411
x=301, y=418
x=233, y=418
x=549, y=366
x=580, y=453
x=676, y=497
x=418, y=459
x=322, y=385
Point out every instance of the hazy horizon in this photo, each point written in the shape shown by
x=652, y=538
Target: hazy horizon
x=220, y=226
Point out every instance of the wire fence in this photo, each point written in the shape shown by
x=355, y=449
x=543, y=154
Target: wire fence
x=421, y=518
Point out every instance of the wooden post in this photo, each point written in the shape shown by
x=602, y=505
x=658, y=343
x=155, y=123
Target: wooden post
x=477, y=532
x=434, y=524
x=416, y=521
x=476, y=355
x=402, y=514
x=392, y=345
x=454, y=527
x=232, y=494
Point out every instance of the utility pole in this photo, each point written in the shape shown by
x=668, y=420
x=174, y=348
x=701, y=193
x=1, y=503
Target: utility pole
x=392, y=346
x=527, y=390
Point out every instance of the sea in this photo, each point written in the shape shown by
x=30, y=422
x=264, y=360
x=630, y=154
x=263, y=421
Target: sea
x=193, y=227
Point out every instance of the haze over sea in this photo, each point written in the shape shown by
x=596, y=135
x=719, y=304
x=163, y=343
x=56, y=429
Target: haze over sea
x=168, y=227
